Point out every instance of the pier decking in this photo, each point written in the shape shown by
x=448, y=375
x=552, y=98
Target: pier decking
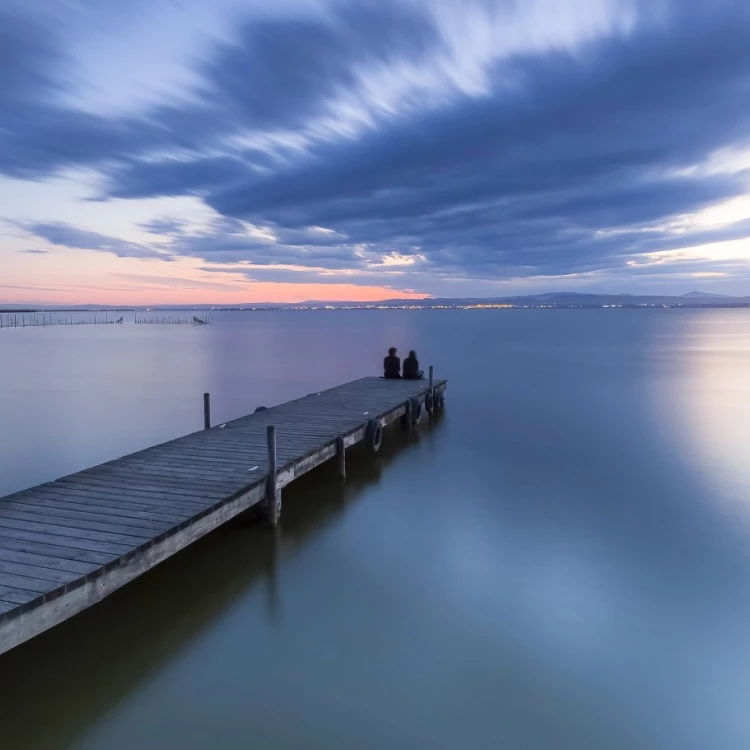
x=67, y=544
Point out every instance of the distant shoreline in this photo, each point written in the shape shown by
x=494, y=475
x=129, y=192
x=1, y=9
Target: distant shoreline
x=388, y=306
x=546, y=301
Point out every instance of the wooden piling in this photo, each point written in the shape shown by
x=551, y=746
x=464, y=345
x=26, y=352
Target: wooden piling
x=341, y=456
x=431, y=378
x=206, y=411
x=272, y=509
x=408, y=417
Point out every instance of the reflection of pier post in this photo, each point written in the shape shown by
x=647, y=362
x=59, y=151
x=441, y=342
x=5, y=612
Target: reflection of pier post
x=272, y=587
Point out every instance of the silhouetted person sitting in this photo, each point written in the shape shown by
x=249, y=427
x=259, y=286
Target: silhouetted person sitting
x=392, y=364
x=411, y=367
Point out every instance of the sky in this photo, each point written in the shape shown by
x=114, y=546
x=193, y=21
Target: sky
x=180, y=151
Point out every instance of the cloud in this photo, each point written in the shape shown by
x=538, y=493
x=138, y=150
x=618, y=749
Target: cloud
x=175, y=282
x=232, y=241
x=163, y=226
x=502, y=141
x=523, y=180
x=65, y=235
x=281, y=72
x=33, y=251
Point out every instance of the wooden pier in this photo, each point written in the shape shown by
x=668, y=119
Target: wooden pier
x=67, y=544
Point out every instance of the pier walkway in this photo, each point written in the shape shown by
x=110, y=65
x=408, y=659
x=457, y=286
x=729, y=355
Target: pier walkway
x=67, y=544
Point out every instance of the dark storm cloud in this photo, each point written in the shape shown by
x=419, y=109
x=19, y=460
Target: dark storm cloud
x=586, y=143
x=555, y=169
x=133, y=179
x=281, y=72
x=277, y=74
x=227, y=241
x=38, y=136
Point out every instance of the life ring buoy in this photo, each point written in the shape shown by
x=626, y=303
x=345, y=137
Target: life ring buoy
x=374, y=435
x=416, y=410
x=429, y=402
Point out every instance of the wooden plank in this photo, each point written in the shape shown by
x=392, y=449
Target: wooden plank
x=15, y=530
x=185, y=465
x=135, y=494
x=18, y=596
x=56, y=510
x=77, y=527
x=313, y=428
x=237, y=456
x=60, y=577
x=32, y=585
x=190, y=469
x=141, y=496
x=100, y=509
x=203, y=457
x=224, y=481
x=116, y=504
x=228, y=449
x=177, y=480
x=45, y=561
x=151, y=471
x=136, y=484
x=7, y=607
x=58, y=552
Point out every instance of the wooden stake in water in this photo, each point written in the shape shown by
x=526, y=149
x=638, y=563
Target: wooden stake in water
x=272, y=508
x=206, y=411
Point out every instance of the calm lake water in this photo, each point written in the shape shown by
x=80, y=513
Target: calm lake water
x=560, y=561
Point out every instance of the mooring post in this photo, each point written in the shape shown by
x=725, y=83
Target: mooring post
x=408, y=416
x=272, y=509
x=431, y=371
x=206, y=411
x=341, y=454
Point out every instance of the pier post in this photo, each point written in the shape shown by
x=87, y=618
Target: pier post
x=206, y=411
x=272, y=508
x=341, y=454
x=431, y=379
x=408, y=418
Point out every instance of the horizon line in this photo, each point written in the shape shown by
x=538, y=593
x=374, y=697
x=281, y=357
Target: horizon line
x=85, y=306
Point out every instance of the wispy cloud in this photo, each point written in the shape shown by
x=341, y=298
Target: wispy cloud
x=65, y=235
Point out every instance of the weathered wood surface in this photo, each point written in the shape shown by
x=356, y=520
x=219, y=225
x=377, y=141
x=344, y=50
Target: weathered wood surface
x=66, y=544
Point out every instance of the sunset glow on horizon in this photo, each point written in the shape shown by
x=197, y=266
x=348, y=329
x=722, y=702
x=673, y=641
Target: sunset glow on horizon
x=184, y=285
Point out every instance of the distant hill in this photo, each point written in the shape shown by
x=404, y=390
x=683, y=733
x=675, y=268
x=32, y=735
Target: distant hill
x=705, y=295
x=567, y=300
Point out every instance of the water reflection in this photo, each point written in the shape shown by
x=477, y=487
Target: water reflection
x=559, y=565
x=706, y=399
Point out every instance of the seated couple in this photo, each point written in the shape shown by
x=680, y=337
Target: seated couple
x=392, y=366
